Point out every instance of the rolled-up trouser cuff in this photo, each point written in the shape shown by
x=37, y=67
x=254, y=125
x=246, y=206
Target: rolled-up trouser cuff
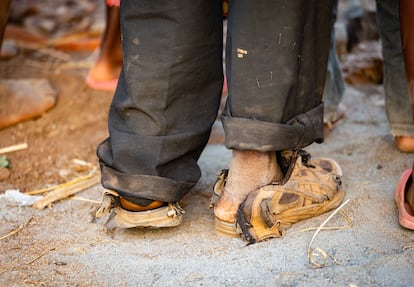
x=251, y=134
x=402, y=129
x=147, y=186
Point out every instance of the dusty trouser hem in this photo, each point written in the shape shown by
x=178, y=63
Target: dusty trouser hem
x=251, y=134
x=144, y=186
x=402, y=130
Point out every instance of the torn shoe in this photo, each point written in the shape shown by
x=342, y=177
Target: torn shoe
x=165, y=216
x=312, y=187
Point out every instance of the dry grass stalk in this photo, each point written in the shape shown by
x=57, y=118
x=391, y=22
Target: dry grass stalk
x=43, y=253
x=21, y=227
x=67, y=190
x=13, y=148
x=313, y=252
x=62, y=185
x=82, y=162
x=9, y=266
x=85, y=199
x=344, y=215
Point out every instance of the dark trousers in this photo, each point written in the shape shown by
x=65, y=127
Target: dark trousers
x=170, y=87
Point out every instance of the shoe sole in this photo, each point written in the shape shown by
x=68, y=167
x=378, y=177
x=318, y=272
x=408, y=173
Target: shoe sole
x=166, y=216
x=225, y=229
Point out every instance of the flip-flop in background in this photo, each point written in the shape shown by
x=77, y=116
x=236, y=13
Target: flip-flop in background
x=405, y=215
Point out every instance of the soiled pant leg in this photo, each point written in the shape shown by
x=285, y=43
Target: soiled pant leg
x=397, y=101
x=167, y=97
x=407, y=24
x=276, y=68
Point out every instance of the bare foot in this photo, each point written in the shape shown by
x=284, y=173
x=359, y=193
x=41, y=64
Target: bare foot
x=104, y=70
x=249, y=170
x=109, y=62
x=405, y=143
x=24, y=99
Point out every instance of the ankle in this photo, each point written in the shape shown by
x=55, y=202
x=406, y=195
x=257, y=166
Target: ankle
x=259, y=168
x=405, y=143
x=104, y=71
x=249, y=170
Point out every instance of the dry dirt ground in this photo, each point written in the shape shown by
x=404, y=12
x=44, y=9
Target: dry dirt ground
x=77, y=123
x=71, y=130
x=63, y=245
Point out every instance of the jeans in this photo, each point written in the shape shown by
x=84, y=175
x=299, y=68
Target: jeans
x=334, y=84
x=397, y=99
x=170, y=85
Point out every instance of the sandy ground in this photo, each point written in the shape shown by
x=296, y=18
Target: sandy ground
x=64, y=245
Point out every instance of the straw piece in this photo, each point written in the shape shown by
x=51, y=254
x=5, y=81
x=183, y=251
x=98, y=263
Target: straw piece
x=62, y=185
x=85, y=199
x=13, y=148
x=344, y=215
x=43, y=253
x=18, y=229
x=9, y=266
x=316, y=252
x=66, y=191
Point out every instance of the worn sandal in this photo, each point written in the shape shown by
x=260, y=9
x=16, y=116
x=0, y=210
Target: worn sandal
x=222, y=227
x=164, y=216
x=291, y=166
x=313, y=187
